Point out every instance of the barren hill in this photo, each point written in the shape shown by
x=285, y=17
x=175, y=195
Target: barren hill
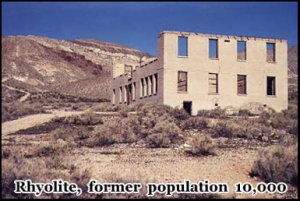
x=293, y=61
x=81, y=67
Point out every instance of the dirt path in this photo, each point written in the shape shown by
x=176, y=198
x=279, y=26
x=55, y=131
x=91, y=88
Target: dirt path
x=37, y=119
x=23, y=98
x=33, y=120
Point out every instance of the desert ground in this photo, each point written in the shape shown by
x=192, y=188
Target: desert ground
x=135, y=162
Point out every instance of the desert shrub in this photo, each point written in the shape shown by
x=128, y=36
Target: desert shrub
x=241, y=128
x=163, y=134
x=73, y=133
x=277, y=164
x=54, y=148
x=179, y=114
x=225, y=129
x=151, y=119
x=157, y=140
x=245, y=113
x=5, y=153
x=134, y=177
x=103, y=107
x=201, y=145
x=40, y=170
x=286, y=120
x=119, y=130
x=293, y=94
x=198, y=123
x=14, y=110
x=88, y=118
x=214, y=113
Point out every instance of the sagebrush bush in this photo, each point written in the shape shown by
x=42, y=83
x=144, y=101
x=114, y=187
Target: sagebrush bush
x=198, y=123
x=53, y=148
x=201, y=145
x=225, y=129
x=73, y=133
x=286, y=120
x=88, y=118
x=179, y=114
x=163, y=135
x=245, y=113
x=277, y=164
x=119, y=130
x=214, y=113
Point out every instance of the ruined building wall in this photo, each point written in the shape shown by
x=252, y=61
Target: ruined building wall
x=198, y=65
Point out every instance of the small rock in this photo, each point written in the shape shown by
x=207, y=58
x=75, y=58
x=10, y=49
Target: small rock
x=186, y=146
x=265, y=139
x=281, y=132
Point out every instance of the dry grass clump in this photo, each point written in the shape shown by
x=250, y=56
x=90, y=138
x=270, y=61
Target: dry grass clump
x=201, y=145
x=277, y=164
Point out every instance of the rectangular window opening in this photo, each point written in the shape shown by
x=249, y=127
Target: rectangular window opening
x=128, y=71
x=271, y=52
x=114, y=97
x=150, y=85
x=271, y=86
x=156, y=83
x=213, y=83
x=241, y=50
x=241, y=84
x=142, y=93
x=213, y=49
x=182, y=46
x=125, y=94
x=120, y=95
x=146, y=87
x=133, y=91
x=182, y=81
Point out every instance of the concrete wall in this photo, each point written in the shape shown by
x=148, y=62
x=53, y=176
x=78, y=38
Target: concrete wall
x=142, y=72
x=199, y=65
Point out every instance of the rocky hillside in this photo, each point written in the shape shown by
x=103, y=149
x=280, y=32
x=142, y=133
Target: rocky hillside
x=81, y=67
x=293, y=61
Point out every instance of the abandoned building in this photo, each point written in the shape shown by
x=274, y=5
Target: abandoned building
x=202, y=71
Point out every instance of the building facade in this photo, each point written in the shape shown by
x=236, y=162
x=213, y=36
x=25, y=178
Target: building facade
x=203, y=71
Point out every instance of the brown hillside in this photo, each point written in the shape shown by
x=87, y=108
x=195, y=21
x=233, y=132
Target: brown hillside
x=81, y=67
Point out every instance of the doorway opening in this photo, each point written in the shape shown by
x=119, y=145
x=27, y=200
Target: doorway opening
x=187, y=106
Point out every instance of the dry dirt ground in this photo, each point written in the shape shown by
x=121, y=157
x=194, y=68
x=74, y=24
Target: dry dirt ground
x=151, y=165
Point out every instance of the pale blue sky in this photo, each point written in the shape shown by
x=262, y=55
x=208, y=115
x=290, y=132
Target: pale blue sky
x=137, y=24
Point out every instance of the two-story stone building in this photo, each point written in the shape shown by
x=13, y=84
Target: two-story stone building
x=202, y=71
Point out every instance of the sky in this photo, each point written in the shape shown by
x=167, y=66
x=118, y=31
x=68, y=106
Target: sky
x=138, y=24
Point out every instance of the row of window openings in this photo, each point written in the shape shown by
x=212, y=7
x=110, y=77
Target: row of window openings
x=214, y=49
x=148, y=85
x=213, y=83
x=129, y=94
